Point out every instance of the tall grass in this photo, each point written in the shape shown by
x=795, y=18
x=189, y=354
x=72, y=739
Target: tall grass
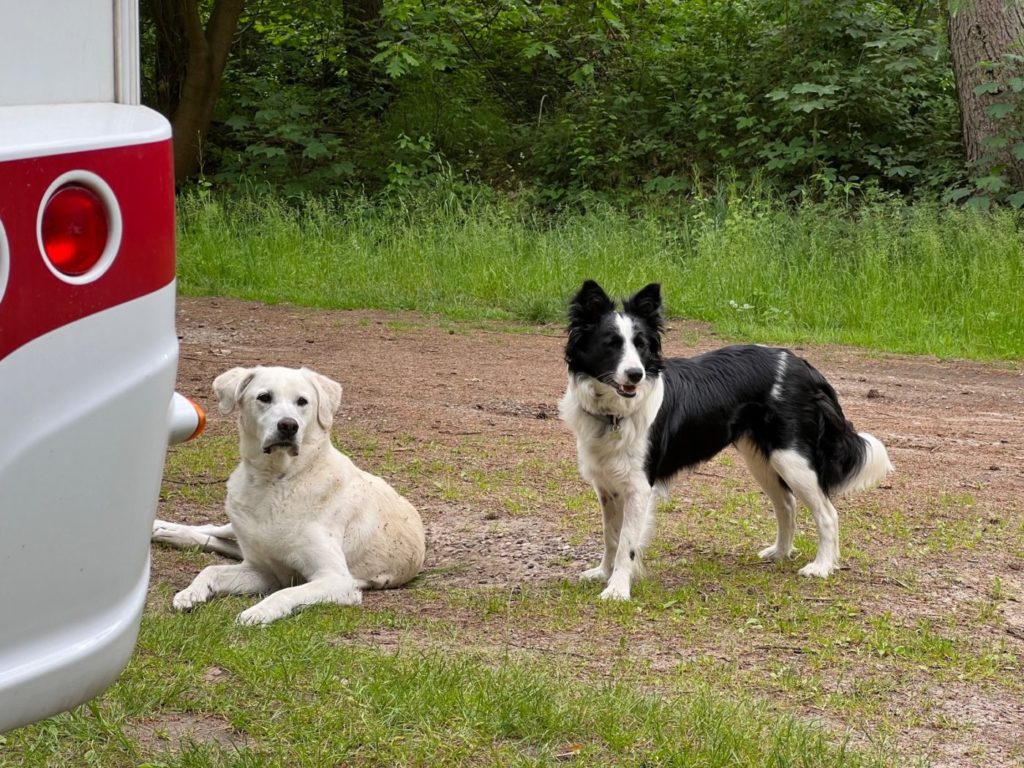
x=919, y=279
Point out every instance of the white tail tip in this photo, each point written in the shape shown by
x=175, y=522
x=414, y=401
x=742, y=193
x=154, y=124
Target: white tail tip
x=873, y=470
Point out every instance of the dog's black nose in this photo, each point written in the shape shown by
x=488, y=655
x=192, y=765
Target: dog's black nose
x=288, y=427
x=634, y=374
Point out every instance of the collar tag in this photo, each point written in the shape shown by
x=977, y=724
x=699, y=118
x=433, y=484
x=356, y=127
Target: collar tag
x=612, y=423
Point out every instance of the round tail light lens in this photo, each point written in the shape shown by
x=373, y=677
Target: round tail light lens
x=74, y=229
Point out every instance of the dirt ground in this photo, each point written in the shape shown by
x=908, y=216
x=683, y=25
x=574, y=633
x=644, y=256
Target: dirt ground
x=954, y=429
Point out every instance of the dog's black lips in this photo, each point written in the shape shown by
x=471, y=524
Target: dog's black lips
x=625, y=390
x=291, y=446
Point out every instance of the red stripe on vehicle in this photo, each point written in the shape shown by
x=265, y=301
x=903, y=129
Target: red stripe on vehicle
x=36, y=301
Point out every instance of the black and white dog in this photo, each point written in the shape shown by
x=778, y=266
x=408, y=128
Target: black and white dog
x=641, y=419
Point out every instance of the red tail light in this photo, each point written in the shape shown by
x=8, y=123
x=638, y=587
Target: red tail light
x=74, y=229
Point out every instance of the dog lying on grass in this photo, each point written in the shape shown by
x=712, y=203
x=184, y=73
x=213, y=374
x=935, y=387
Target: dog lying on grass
x=307, y=524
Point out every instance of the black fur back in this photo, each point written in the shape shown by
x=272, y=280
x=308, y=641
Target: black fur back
x=713, y=400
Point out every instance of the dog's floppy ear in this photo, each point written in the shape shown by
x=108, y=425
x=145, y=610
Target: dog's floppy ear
x=588, y=305
x=328, y=395
x=229, y=387
x=646, y=303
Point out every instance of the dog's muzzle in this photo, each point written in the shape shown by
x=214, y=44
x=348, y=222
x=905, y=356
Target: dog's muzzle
x=287, y=430
x=624, y=390
x=634, y=376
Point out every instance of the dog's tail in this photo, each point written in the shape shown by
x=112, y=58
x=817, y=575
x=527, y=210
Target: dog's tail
x=872, y=469
x=847, y=461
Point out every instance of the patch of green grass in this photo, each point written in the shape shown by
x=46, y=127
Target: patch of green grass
x=197, y=471
x=475, y=470
x=300, y=694
x=920, y=279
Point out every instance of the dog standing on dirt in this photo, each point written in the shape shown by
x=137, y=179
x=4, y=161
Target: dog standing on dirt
x=308, y=525
x=641, y=419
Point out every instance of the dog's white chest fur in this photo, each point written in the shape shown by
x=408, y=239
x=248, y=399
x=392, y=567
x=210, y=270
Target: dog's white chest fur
x=278, y=521
x=611, y=431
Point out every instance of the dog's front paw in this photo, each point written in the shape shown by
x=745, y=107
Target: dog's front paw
x=189, y=598
x=618, y=587
x=615, y=593
x=353, y=596
x=259, y=616
x=595, y=574
x=164, y=531
x=775, y=555
x=814, y=568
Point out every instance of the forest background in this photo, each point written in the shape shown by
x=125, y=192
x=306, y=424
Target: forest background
x=565, y=102
x=791, y=170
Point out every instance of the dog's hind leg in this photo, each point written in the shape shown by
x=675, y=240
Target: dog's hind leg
x=208, y=538
x=611, y=510
x=800, y=476
x=781, y=497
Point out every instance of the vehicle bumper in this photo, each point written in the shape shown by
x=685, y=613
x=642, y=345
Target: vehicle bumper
x=80, y=472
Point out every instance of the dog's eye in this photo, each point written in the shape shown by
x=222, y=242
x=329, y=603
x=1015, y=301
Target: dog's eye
x=614, y=340
x=639, y=342
x=301, y=402
x=264, y=397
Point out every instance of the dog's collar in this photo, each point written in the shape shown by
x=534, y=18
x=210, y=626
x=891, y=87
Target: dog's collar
x=610, y=421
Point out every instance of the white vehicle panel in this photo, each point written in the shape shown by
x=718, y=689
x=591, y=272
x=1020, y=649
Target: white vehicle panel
x=57, y=51
x=80, y=427
x=54, y=129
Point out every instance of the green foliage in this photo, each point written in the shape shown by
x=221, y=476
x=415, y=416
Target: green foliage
x=570, y=100
x=277, y=123
x=838, y=92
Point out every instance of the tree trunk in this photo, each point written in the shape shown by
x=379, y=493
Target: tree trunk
x=362, y=24
x=982, y=31
x=190, y=63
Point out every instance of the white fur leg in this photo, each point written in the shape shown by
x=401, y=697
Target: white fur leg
x=333, y=589
x=611, y=513
x=636, y=528
x=800, y=476
x=618, y=586
x=777, y=554
x=208, y=538
x=826, y=519
x=782, y=500
x=817, y=568
x=598, y=573
x=214, y=580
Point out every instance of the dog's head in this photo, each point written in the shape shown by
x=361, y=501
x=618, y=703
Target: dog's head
x=280, y=409
x=620, y=349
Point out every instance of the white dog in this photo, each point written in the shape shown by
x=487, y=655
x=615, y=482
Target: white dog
x=308, y=525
